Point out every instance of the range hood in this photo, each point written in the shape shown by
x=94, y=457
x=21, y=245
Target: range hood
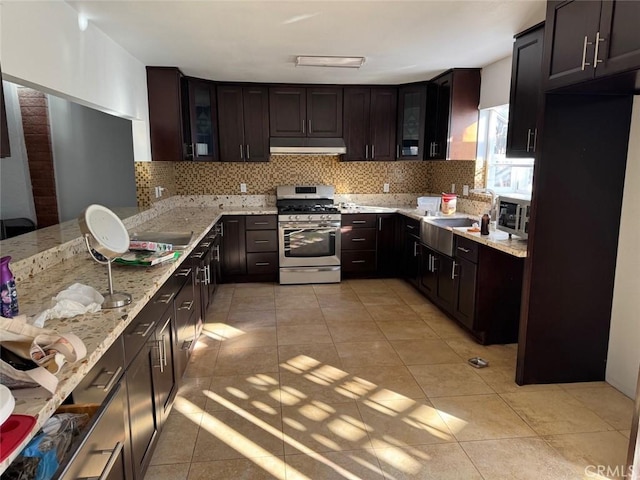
x=306, y=146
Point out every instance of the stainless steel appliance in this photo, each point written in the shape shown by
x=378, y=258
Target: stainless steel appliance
x=308, y=234
x=513, y=215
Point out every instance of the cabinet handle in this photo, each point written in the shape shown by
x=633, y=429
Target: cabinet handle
x=205, y=244
x=535, y=139
x=465, y=250
x=415, y=249
x=358, y=239
x=366, y=152
x=397, y=151
x=217, y=255
x=303, y=123
x=221, y=229
x=430, y=267
x=148, y=329
x=357, y=222
x=358, y=261
x=183, y=272
x=261, y=241
x=114, y=378
x=186, y=305
x=207, y=274
x=197, y=255
x=379, y=224
x=166, y=298
x=262, y=264
x=261, y=223
x=528, y=139
x=373, y=152
x=310, y=126
x=584, y=53
x=160, y=346
x=113, y=458
x=247, y=147
x=233, y=221
x=453, y=270
x=595, y=55
x=411, y=227
x=433, y=263
x=164, y=352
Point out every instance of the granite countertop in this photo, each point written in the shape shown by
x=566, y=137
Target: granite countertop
x=100, y=330
x=497, y=239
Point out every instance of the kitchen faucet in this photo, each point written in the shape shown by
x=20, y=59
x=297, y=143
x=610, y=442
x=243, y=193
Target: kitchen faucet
x=492, y=211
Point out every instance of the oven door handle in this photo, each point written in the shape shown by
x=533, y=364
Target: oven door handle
x=308, y=226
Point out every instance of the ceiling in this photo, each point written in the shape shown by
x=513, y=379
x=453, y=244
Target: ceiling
x=257, y=41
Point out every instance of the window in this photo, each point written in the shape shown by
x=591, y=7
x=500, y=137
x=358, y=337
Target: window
x=502, y=174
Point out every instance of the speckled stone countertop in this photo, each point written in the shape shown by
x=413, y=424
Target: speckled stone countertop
x=498, y=240
x=100, y=330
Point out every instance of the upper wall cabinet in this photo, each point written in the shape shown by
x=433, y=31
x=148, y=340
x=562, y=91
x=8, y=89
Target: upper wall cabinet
x=201, y=112
x=526, y=78
x=412, y=103
x=369, y=123
x=452, y=115
x=167, y=129
x=305, y=112
x=589, y=39
x=243, y=113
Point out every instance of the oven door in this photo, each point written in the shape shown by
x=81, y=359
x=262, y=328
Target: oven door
x=309, y=244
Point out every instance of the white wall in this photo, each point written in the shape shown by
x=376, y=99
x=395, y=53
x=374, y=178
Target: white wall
x=16, y=199
x=42, y=46
x=496, y=83
x=624, y=340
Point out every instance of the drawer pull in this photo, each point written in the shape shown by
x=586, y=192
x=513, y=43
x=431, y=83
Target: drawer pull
x=261, y=223
x=114, y=378
x=261, y=241
x=113, y=458
x=165, y=298
x=358, y=239
x=147, y=330
x=262, y=264
x=465, y=250
x=411, y=227
x=197, y=255
x=205, y=244
x=358, y=261
x=186, y=305
x=183, y=272
x=358, y=221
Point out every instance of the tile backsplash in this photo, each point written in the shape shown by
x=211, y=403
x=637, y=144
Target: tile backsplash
x=357, y=179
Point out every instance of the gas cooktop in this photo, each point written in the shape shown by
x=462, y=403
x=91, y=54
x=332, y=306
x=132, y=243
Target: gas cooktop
x=301, y=208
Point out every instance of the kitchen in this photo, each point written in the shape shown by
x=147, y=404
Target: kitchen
x=44, y=72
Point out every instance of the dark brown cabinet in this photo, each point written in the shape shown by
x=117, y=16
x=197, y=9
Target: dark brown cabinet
x=369, y=123
x=388, y=244
x=371, y=244
x=589, y=39
x=305, y=111
x=452, y=111
x=166, y=124
x=243, y=113
x=234, y=254
x=202, y=129
x=412, y=105
x=526, y=93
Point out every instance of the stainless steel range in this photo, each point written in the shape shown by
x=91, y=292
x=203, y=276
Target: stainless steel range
x=308, y=234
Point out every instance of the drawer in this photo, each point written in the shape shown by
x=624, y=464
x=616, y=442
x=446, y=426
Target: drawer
x=467, y=249
x=262, y=241
x=358, y=239
x=360, y=220
x=261, y=222
x=96, y=385
x=358, y=262
x=259, y=263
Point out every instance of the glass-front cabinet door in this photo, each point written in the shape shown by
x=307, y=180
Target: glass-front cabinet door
x=412, y=103
x=202, y=113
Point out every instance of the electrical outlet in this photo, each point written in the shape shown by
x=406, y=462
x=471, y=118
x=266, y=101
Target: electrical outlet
x=243, y=188
x=453, y=188
x=159, y=191
x=465, y=189
x=385, y=188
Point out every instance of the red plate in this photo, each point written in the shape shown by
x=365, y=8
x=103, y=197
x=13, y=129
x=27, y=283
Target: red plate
x=13, y=431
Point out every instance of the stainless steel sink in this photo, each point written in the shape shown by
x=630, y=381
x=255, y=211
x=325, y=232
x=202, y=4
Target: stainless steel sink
x=179, y=240
x=437, y=233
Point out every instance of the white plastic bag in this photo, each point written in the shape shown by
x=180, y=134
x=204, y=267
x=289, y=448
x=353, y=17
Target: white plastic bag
x=75, y=300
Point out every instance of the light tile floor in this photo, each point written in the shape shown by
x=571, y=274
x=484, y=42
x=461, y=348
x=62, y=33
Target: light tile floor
x=366, y=380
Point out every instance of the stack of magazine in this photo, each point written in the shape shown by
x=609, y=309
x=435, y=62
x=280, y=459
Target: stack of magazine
x=146, y=254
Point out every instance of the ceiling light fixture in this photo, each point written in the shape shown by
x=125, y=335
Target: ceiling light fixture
x=330, y=61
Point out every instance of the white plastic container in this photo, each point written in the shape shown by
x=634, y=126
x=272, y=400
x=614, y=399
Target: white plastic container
x=428, y=204
x=449, y=201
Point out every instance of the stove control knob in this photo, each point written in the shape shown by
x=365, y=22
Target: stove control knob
x=310, y=217
x=295, y=217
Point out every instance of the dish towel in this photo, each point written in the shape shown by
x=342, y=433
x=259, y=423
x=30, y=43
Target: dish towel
x=75, y=300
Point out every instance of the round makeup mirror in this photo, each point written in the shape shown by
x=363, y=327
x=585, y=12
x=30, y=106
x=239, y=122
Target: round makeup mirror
x=106, y=238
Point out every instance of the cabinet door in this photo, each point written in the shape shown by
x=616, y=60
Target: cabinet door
x=570, y=32
x=165, y=114
x=446, y=276
x=356, y=123
x=411, y=260
x=382, y=124
x=143, y=418
x=525, y=94
x=412, y=105
x=465, y=292
x=164, y=378
x=234, y=261
x=256, y=124
x=203, y=120
x=387, y=245
x=429, y=272
x=287, y=111
x=231, y=115
x=619, y=45
x=324, y=112
x=442, y=112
